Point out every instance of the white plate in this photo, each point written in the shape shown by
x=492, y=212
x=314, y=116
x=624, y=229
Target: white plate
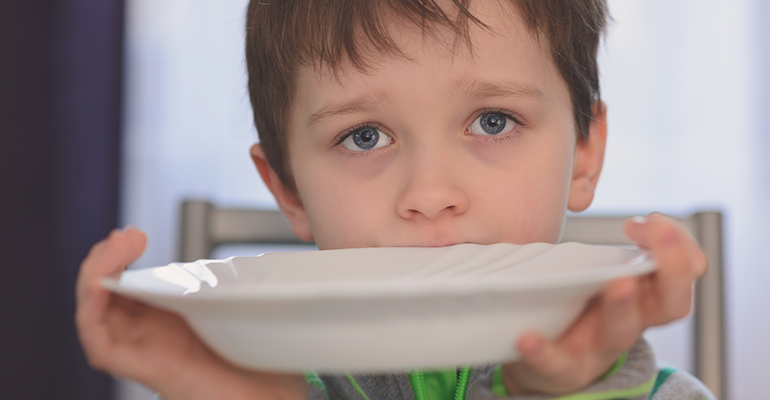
x=382, y=309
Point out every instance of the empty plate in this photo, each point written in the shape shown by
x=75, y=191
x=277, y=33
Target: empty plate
x=382, y=309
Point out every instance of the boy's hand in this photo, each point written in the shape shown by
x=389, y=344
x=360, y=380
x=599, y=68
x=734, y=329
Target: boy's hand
x=616, y=318
x=155, y=347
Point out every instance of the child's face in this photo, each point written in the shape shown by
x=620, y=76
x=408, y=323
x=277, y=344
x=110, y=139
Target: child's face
x=439, y=149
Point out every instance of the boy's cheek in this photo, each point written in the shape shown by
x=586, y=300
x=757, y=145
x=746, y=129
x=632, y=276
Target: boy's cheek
x=372, y=224
x=522, y=203
x=541, y=222
x=340, y=220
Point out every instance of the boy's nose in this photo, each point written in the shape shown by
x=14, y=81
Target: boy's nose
x=431, y=192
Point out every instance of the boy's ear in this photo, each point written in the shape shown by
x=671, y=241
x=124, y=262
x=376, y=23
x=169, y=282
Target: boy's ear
x=288, y=201
x=588, y=161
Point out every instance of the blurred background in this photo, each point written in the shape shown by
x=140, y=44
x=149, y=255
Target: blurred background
x=113, y=111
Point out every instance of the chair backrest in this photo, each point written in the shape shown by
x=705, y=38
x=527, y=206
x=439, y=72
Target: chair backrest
x=204, y=227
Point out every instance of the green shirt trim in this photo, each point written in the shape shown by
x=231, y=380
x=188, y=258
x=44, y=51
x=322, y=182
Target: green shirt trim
x=499, y=388
x=613, y=394
x=355, y=385
x=312, y=378
x=663, y=374
x=498, y=384
x=615, y=368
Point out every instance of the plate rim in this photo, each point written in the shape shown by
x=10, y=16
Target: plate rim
x=640, y=264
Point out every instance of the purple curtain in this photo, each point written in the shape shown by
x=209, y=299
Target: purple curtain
x=60, y=106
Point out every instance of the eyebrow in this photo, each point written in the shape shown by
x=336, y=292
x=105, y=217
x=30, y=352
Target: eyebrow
x=363, y=103
x=484, y=89
x=474, y=90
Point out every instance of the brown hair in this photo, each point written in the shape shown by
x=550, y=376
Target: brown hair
x=282, y=35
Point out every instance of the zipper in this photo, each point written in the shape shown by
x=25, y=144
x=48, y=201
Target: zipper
x=417, y=379
x=421, y=390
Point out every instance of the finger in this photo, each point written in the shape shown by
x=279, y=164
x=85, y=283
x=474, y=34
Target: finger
x=554, y=366
x=105, y=258
x=680, y=262
x=535, y=372
x=633, y=229
x=670, y=244
x=609, y=326
x=659, y=231
x=545, y=356
x=578, y=339
x=621, y=324
x=581, y=353
x=670, y=288
x=110, y=256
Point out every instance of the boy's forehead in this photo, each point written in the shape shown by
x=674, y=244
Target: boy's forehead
x=496, y=18
x=501, y=57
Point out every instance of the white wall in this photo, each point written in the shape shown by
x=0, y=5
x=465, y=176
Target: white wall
x=689, y=118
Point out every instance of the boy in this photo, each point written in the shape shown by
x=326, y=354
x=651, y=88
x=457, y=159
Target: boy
x=412, y=123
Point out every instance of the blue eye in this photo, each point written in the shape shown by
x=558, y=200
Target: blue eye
x=492, y=124
x=366, y=138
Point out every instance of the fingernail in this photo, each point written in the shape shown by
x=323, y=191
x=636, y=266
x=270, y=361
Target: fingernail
x=638, y=220
x=634, y=225
x=126, y=228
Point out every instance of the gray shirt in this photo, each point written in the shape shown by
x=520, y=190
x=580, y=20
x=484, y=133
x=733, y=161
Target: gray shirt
x=637, y=379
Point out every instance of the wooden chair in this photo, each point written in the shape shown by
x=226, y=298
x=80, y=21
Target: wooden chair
x=204, y=227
